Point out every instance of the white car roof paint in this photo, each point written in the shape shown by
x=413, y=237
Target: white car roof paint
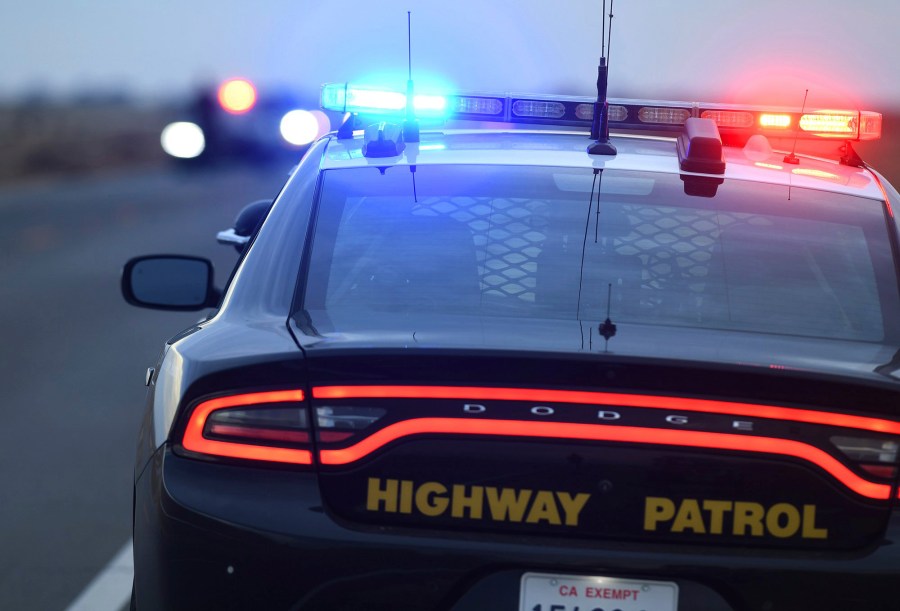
x=635, y=152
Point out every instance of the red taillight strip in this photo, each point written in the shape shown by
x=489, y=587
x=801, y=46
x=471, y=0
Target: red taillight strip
x=258, y=433
x=195, y=441
x=476, y=393
x=619, y=434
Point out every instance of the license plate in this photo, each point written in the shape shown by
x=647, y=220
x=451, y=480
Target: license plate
x=543, y=592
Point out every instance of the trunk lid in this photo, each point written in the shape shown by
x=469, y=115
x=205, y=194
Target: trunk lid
x=708, y=441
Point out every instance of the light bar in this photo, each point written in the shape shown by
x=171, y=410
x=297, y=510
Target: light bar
x=345, y=97
x=774, y=120
x=538, y=109
x=479, y=106
x=842, y=124
x=569, y=111
x=623, y=114
x=729, y=118
x=664, y=116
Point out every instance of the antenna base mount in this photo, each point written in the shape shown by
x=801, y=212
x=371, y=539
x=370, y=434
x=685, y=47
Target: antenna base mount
x=602, y=147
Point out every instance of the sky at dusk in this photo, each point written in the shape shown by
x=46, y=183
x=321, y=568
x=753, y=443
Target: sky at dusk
x=846, y=53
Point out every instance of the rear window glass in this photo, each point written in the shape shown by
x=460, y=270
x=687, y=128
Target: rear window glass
x=530, y=242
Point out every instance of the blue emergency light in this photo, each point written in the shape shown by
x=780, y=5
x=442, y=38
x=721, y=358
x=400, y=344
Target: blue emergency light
x=344, y=97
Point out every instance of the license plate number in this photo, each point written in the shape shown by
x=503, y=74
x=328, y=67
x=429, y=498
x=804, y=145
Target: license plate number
x=544, y=592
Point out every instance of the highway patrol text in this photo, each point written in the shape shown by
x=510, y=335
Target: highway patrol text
x=738, y=518
x=434, y=499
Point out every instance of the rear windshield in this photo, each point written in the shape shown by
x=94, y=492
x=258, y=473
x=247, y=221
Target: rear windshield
x=532, y=243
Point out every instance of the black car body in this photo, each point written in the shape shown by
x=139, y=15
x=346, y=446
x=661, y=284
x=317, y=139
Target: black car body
x=471, y=377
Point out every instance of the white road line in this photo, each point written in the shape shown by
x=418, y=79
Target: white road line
x=110, y=590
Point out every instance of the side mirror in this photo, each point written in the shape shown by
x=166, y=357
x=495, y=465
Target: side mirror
x=169, y=282
x=247, y=223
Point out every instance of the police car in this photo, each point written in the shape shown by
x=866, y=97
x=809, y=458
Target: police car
x=537, y=369
x=236, y=121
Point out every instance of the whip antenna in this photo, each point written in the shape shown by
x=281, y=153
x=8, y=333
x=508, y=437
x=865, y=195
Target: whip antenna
x=609, y=40
x=603, y=36
x=409, y=44
x=600, y=121
x=410, y=126
x=792, y=158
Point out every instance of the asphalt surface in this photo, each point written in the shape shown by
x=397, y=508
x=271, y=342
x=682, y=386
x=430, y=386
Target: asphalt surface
x=73, y=358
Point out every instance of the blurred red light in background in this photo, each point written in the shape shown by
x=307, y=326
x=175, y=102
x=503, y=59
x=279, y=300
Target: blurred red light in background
x=237, y=96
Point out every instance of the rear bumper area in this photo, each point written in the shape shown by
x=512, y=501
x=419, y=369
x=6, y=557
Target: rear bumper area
x=211, y=536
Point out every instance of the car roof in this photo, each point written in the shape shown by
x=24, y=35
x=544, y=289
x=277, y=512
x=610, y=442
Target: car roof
x=634, y=152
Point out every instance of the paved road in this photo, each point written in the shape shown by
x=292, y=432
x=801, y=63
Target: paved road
x=73, y=357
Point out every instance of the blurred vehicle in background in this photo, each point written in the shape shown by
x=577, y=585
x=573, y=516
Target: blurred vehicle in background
x=236, y=121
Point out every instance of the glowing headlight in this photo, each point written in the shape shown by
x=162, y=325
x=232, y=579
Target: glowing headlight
x=183, y=140
x=299, y=127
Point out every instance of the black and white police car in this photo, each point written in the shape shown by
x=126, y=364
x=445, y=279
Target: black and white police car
x=532, y=370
